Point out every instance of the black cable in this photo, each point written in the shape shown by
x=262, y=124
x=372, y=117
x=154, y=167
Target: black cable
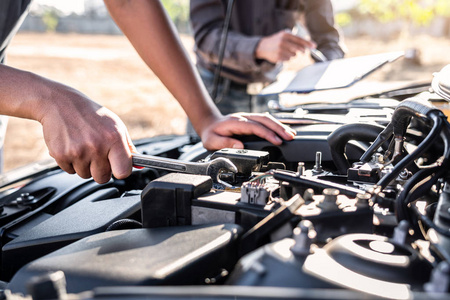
x=223, y=42
x=338, y=140
x=406, y=197
x=426, y=143
x=437, y=171
x=381, y=138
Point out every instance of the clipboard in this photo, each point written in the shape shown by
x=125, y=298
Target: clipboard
x=334, y=74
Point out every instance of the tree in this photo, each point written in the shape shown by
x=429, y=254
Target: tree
x=411, y=12
x=178, y=11
x=50, y=18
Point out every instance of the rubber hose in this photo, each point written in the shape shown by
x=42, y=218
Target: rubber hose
x=381, y=138
x=404, y=198
x=423, y=146
x=416, y=106
x=339, y=139
x=412, y=107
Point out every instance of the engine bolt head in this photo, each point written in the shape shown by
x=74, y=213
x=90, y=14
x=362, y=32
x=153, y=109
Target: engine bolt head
x=363, y=198
x=303, y=235
x=300, y=168
x=308, y=195
x=330, y=195
x=25, y=198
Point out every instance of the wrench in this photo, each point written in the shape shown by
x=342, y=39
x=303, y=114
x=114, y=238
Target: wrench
x=211, y=168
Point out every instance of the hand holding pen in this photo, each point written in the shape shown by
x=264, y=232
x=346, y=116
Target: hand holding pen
x=300, y=31
x=281, y=46
x=284, y=45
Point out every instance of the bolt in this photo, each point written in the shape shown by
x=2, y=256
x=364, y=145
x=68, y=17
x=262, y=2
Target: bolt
x=378, y=158
x=363, y=198
x=300, y=168
x=403, y=175
x=303, y=236
x=308, y=196
x=330, y=199
x=330, y=195
x=25, y=198
x=318, y=163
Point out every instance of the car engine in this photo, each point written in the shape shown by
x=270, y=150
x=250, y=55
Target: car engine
x=356, y=206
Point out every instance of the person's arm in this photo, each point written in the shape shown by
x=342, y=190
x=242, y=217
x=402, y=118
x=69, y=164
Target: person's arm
x=243, y=52
x=320, y=22
x=81, y=135
x=150, y=31
x=207, y=20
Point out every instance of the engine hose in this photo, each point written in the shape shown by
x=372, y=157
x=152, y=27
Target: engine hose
x=416, y=106
x=405, y=197
x=413, y=107
x=381, y=138
x=445, y=135
x=339, y=139
x=437, y=172
x=438, y=123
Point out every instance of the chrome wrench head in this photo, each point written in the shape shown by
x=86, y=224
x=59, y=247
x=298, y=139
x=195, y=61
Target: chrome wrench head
x=219, y=165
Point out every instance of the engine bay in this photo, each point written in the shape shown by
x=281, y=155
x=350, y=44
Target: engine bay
x=356, y=206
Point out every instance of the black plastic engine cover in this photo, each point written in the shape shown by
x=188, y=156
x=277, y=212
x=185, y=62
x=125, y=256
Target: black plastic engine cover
x=82, y=219
x=158, y=256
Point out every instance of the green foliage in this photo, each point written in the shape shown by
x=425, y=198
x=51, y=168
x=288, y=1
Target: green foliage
x=50, y=18
x=343, y=19
x=178, y=10
x=419, y=12
x=443, y=8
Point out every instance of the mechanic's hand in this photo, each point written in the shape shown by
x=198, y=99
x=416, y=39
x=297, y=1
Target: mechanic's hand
x=281, y=46
x=218, y=134
x=84, y=137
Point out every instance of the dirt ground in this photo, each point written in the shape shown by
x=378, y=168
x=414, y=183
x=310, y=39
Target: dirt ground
x=107, y=69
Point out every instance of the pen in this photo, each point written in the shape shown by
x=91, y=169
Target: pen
x=317, y=55
x=300, y=31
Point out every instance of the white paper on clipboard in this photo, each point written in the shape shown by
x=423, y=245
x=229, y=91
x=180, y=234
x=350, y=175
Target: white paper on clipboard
x=334, y=74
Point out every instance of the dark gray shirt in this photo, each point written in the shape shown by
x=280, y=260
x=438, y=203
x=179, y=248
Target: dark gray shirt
x=12, y=14
x=250, y=21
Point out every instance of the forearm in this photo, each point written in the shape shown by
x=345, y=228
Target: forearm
x=27, y=95
x=19, y=93
x=148, y=28
x=207, y=20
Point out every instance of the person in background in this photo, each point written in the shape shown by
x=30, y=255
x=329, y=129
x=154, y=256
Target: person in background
x=262, y=35
x=90, y=140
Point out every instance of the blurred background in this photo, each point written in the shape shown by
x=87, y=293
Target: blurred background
x=75, y=42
